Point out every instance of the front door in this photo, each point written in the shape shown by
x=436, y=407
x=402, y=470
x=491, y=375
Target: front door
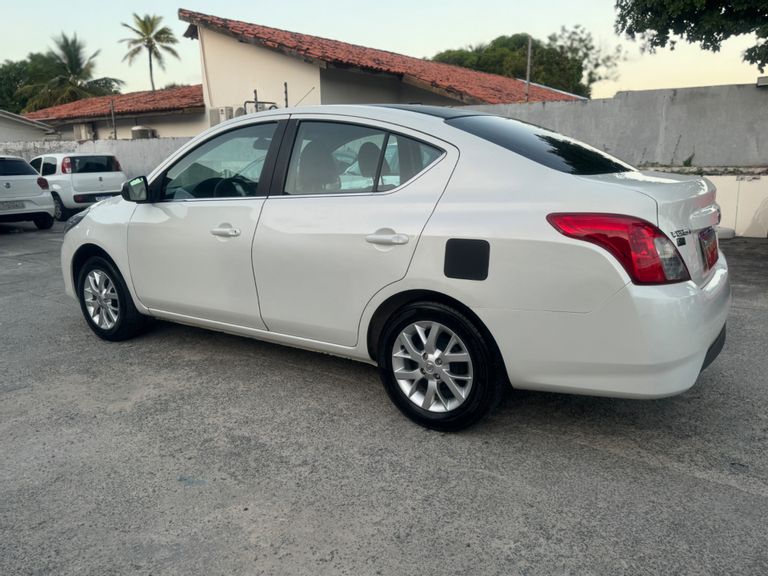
x=342, y=221
x=190, y=251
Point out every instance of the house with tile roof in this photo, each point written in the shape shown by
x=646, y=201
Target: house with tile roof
x=243, y=63
x=173, y=112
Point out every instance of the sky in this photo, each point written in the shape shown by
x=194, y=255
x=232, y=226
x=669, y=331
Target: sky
x=417, y=28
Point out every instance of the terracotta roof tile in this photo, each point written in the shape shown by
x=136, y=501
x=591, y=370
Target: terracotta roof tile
x=168, y=100
x=464, y=84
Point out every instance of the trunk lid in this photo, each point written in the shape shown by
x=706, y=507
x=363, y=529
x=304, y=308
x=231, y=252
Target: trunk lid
x=686, y=213
x=93, y=174
x=17, y=179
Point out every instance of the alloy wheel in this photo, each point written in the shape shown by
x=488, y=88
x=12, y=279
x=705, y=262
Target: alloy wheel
x=101, y=301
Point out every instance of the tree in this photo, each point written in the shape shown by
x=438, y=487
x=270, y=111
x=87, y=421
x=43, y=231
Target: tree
x=13, y=75
x=568, y=61
x=657, y=22
x=153, y=38
x=63, y=75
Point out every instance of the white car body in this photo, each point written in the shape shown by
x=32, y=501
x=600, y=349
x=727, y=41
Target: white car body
x=564, y=313
x=23, y=196
x=77, y=190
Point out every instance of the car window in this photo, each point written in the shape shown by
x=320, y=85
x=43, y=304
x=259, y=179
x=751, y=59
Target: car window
x=542, y=146
x=332, y=158
x=92, y=164
x=15, y=167
x=49, y=166
x=227, y=166
x=36, y=163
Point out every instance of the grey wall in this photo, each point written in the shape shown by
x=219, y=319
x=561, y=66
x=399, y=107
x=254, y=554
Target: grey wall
x=351, y=87
x=137, y=157
x=17, y=131
x=713, y=126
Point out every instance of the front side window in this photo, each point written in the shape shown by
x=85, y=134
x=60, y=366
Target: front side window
x=333, y=158
x=49, y=166
x=227, y=166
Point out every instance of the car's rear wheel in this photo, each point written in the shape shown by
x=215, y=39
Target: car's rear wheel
x=60, y=212
x=43, y=221
x=105, y=301
x=437, y=367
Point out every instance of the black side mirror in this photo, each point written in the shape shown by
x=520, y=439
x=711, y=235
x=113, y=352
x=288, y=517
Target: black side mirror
x=136, y=190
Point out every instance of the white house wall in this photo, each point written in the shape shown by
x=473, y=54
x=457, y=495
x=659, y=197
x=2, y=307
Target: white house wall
x=11, y=131
x=232, y=70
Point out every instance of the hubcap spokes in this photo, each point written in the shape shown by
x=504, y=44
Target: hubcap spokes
x=432, y=366
x=101, y=300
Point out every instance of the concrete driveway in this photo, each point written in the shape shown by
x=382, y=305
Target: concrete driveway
x=191, y=452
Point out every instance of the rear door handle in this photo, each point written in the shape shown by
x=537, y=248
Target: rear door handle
x=387, y=238
x=225, y=231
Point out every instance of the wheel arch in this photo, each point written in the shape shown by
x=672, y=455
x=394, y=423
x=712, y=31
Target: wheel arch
x=82, y=255
x=392, y=304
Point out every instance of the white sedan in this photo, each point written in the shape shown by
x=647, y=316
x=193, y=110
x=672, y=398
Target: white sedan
x=468, y=252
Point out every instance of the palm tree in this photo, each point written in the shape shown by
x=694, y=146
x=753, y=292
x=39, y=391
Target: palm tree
x=65, y=74
x=152, y=37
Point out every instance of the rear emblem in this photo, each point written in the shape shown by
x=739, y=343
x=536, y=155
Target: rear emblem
x=7, y=184
x=681, y=232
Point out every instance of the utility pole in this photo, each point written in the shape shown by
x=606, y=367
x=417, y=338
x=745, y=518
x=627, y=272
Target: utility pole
x=528, y=70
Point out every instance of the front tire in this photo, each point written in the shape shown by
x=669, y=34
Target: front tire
x=43, y=222
x=438, y=368
x=106, y=302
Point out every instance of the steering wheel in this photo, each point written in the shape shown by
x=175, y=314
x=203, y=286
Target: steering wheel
x=233, y=187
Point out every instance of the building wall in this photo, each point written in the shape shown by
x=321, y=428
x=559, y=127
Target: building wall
x=232, y=70
x=168, y=126
x=710, y=126
x=351, y=87
x=11, y=131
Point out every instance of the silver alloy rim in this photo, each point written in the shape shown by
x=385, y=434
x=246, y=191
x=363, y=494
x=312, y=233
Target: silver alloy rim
x=101, y=300
x=432, y=366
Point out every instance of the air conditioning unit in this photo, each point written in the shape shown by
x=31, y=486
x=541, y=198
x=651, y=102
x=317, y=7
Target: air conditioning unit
x=225, y=113
x=239, y=111
x=142, y=133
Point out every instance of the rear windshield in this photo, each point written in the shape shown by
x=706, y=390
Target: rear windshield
x=89, y=164
x=547, y=148
x=15, y=167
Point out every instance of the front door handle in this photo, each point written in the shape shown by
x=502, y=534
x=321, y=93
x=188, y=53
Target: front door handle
x=225, y=231
x=387, y=237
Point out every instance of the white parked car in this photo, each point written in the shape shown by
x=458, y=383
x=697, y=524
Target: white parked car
x=490, y=252
x=24, y=195
x=79, y=180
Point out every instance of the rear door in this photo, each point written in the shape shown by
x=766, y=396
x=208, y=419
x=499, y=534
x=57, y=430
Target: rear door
x=342, y=222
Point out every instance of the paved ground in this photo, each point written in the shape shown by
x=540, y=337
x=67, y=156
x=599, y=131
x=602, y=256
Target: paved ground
x=190, y=452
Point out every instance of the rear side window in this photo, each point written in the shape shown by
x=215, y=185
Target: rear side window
x=15, y=167
x=547, y=148
x=90, y=164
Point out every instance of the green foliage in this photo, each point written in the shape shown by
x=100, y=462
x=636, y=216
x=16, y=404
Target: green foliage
x=658, y=22
x=62, y=75
x=13, y=75
x=152, y=37
x=568, y=60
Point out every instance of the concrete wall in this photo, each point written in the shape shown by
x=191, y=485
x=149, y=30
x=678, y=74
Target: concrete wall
x=232, y=70
x=137, y=157
x=711, y=126
x=12, y=131
x=744, y=203
x=351, y=87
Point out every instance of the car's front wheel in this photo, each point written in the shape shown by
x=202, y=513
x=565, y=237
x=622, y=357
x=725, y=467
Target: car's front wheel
x=437, y=367
x=105, y=301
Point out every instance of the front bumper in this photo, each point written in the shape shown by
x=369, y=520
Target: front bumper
x=644, y=342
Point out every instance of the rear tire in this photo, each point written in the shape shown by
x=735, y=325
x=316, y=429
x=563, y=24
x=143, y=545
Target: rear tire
x=106, y=303
x=60, y=212
x=438, y=368
x=43, y=222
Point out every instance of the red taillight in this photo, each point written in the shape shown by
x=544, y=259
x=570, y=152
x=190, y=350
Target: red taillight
x=66, y=166
x=118, y=168
x=43, y=183
x=648, y=256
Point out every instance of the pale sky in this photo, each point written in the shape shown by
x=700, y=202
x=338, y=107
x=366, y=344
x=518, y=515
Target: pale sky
x=405, y=26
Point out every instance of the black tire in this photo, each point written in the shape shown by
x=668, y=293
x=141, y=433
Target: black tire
x=60, y=212
x=129, y=322
x=43, y=222
x=487, y=384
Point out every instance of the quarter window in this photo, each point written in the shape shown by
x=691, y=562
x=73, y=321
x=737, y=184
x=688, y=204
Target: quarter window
x=49, y=166
x=227, y=166
x=36, y=163
x=333, y=158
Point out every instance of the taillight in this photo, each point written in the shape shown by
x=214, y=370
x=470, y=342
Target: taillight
x=648, y=256
x=43, y=183
x=66, y=166
x=118, y=168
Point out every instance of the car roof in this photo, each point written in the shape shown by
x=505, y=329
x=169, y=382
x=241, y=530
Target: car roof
x=72, y=154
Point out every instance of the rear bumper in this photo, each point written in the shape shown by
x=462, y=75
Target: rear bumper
x=644, y=342
x=33, y=206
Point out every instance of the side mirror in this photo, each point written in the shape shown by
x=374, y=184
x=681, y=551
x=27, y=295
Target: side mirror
x=136, y=190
